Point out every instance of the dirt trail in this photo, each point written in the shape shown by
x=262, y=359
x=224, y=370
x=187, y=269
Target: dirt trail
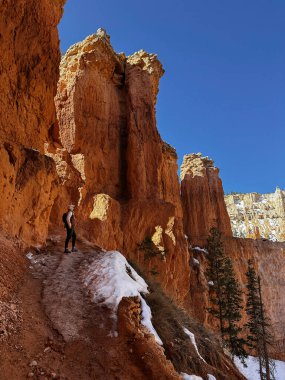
x=62, y=333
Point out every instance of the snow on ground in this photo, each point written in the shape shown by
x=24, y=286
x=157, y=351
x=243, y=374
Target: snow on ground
x=110, y=278
x=196, y=263
x=193, y=340
x=204, y=250
x=190, y=377
x=30, y=256
x=251, y=372
x=211, y=377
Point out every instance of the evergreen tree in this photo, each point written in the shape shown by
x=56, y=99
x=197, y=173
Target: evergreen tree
x=259, y=336
x=215, y=273
x=226, y=294
x=232, y=312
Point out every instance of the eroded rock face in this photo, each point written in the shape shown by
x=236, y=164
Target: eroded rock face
x=203, y=198
x=204, y=206
x=28, y=192
x=150, y=355
x=12, y=266
x=256, y=215
x=113, y=164
x=28, y=77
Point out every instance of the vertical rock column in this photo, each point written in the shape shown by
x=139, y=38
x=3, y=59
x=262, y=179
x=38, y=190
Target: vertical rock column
x=202, y=198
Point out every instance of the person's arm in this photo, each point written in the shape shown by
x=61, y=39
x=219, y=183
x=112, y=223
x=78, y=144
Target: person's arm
x=68, y=221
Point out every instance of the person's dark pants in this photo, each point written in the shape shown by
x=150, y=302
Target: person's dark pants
x=70, y=233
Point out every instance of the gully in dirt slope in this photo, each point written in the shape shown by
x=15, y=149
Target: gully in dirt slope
x=68, y=219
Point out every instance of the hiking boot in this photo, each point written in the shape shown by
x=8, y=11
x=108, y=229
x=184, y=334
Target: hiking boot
x=74, y=249
x=67, y=250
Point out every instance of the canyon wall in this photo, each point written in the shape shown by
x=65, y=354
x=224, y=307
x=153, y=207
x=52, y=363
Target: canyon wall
x=199, y=188
x=112, y=162
x=28, y=75
x=105, y=155
x=256, y=215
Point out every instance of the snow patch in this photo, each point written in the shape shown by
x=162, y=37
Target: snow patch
x=29, y=256
x=193, y=340
x=211, y=377
x=110, y=278
x=204, y=250
x=196, y=262
x=190, y=377
x=32, y=258
x=251, y=372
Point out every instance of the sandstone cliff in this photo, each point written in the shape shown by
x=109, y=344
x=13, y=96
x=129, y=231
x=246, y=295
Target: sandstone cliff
x=256, y=215
x=202, y=195
x=113, y=163
x=28, y=74
x=204, y=206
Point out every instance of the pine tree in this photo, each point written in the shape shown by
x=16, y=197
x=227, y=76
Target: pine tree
x=215, y=273
x=259, y=336
x=226, y=294
x=232, y=312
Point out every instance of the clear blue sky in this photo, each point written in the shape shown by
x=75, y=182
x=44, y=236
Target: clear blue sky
x=223, y=92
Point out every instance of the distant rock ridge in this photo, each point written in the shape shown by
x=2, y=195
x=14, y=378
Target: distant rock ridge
x=255, y=215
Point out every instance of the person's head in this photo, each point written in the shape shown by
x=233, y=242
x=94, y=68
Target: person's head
x=71, y=207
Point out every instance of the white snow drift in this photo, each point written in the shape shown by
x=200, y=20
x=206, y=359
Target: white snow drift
x=110, y=278
x=185, y=376
x=251, y=372
x=193, y=340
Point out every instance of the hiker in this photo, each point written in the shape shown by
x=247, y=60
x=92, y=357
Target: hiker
x=68, y=219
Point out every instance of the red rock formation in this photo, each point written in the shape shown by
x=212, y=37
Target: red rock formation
x=147, y=354
x=114, y=164
x=203, y=198
x=204, y=206
x=106, y=149
x=29, y=71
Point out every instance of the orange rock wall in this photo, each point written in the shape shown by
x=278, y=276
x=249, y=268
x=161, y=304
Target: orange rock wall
x=28, y=77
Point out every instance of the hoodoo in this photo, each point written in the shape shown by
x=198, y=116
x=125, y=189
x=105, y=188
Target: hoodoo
x=113, y=163
x=202, y=197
